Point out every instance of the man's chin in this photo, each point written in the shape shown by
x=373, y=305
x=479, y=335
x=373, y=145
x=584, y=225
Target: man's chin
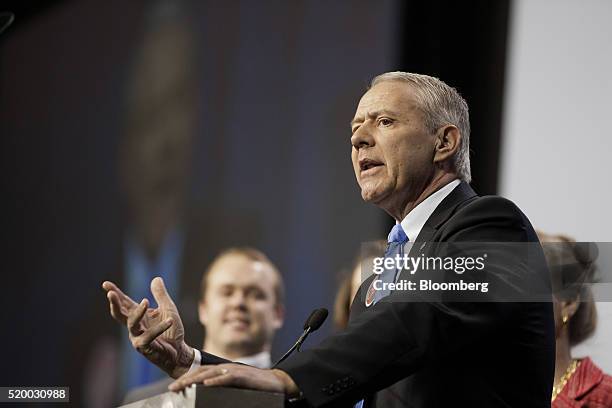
x=238, y=332
x=238, y=341
x=245, y=346
x=372, y=196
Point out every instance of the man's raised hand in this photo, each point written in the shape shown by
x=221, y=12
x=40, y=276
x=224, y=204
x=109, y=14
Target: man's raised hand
x=158, y=334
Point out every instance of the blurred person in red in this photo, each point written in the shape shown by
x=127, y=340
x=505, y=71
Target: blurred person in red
x=578, y=382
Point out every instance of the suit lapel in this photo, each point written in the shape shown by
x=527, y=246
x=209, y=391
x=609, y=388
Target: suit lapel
x=462, y=193
x=445, y=210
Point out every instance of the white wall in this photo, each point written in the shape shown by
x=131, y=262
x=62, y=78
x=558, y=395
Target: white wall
x=557, y=138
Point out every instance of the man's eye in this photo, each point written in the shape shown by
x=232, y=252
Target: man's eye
x=385, y=122
x=256, y=294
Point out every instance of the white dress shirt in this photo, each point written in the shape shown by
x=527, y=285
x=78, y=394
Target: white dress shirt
x=259, y=360
x=414, y=221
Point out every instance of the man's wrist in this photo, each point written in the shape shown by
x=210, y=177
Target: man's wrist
x=290, y=387
x=184, y=361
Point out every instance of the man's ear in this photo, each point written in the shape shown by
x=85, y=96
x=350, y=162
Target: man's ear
x=202, y=315
x=279, y=316
x=447, y=143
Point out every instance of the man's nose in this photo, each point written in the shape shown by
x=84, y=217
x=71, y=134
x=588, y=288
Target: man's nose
x=238, y=299
x=362, y=137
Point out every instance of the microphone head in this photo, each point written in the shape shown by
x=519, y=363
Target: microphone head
x=316, y=319
x=309, y=318
x=6, y=18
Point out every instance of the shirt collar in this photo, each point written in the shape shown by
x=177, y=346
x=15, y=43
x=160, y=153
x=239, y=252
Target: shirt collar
x=414, y=221
x=259, y=360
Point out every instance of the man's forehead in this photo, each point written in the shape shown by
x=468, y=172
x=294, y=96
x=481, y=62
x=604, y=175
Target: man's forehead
x=386, y=97
x=238, y=269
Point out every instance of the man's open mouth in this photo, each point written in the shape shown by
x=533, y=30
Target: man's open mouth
x=237, y=321
x=368, y=164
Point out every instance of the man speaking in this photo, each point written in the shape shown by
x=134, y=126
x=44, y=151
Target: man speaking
x=410, y=154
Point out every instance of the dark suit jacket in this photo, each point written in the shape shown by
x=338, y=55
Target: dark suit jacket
x=444, y=354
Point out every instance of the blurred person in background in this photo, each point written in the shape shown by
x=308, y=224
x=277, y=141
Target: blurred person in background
x=349, y=285
x=156, y=239
x=154, y=166
x=241, y=308
x=164, y=232
x=578, y=382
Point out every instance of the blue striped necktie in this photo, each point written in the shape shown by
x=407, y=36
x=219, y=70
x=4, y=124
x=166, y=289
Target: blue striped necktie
x=396, y=240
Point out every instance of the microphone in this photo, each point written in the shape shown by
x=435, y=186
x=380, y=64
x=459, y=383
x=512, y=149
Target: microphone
x=314, y=321
x=6, y=18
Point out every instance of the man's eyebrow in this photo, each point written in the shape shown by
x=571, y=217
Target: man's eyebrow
x=374, y=114
x=355, y=120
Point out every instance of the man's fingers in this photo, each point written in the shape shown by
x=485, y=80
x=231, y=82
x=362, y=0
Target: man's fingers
x=135, y=316
x=198, y=376
x=225, y=379
x=151, y=334
x=233, y=375
x=118, y=313
x=160, y=293
x=125, y=300
x=108, y=286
